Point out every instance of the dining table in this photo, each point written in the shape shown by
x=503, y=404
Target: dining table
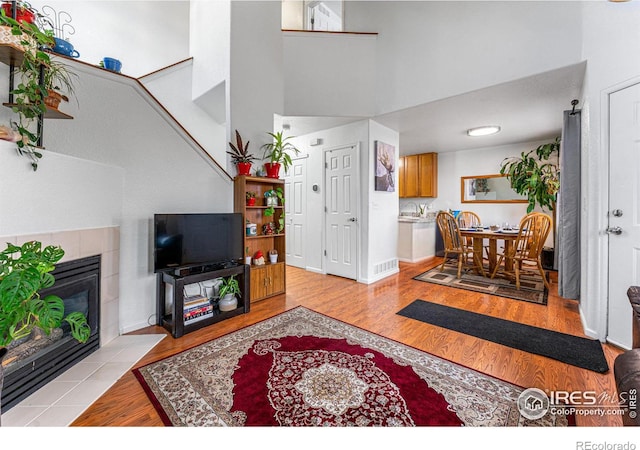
x=479, y=234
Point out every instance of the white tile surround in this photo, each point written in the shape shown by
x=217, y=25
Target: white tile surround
x=82, y=243
x=60, y=402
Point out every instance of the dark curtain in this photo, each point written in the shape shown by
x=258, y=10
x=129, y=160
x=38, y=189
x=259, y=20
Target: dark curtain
x=568, y=209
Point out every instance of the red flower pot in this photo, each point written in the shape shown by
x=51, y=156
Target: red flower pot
x=22, y=14
x=244, y=168
x=251, y=201
x=273, y=170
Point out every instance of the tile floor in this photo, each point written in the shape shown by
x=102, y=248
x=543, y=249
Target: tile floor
x=61, y=401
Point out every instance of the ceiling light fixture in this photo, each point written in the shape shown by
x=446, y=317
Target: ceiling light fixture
x=483, y=131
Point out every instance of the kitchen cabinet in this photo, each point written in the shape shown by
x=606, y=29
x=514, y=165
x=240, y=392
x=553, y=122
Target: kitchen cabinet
x=418, y=175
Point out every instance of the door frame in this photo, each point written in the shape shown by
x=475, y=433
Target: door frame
x=600, y=259
x=356, y=146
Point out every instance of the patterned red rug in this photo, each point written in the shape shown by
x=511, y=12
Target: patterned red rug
x=302, y=368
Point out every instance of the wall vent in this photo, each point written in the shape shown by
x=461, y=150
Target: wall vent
x=385, y=266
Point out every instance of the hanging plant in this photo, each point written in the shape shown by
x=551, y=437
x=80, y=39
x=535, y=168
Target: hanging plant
x=35, y=76
x=534, y=175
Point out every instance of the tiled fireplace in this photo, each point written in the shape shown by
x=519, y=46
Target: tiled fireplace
x=81, y=248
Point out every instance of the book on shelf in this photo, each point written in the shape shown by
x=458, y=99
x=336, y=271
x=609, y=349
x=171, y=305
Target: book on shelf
x=196, y=312
x=195, y=300
x=199, y=318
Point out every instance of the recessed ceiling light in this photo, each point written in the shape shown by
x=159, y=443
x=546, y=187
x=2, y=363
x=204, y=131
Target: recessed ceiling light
x=483, y=131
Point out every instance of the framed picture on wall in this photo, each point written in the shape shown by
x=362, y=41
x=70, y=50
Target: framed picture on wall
x=385, y=161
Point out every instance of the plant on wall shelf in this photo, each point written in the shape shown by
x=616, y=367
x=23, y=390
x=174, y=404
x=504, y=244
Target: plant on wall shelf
x=35, y=76
x=534, y=175
x=276, y=193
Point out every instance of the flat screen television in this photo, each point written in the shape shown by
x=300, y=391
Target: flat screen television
x=192, y=240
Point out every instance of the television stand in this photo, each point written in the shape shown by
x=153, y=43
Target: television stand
x=170, y=298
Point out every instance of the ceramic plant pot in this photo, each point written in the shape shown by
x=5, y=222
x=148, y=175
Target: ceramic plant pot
x=228, y=303
x=273, y=170
x=244, y=168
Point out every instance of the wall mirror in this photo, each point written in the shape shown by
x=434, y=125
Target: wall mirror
x=488, y=189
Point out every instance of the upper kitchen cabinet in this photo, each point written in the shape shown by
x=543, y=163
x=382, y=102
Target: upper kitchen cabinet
x=418, y=175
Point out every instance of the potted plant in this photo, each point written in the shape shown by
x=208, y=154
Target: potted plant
x=537, y=176
x=58, y=79
x=251, y=198
x=534, y=175
x=227, y=292
x=278, y=153
x=24, y=11
x=272, y=196
x=30, y=93
x=240, y=155
x=24, y=271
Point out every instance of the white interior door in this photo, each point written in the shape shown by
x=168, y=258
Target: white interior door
x=341, y=211
x=295, y=213
x=624, y=210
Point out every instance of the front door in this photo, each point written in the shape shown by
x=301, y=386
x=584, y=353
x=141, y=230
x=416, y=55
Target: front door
x=341, y=211
x=624, y=210
x=295, y=212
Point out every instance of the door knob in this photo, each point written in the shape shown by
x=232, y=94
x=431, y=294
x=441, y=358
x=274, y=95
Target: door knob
x=352, y=219
x=614, y=230
x=617, y=213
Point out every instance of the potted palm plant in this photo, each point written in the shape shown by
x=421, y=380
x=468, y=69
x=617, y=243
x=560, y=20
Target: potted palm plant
x=24, y=271
x=278, y=153
x=240, y=155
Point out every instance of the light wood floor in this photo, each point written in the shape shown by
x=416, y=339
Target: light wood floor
x=374, y=308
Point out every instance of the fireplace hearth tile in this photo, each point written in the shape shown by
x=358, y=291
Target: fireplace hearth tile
x=72, y=403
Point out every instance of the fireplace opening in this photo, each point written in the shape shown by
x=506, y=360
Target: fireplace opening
x=78, y=284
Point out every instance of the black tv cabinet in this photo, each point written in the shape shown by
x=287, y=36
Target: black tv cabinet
x=171, y=316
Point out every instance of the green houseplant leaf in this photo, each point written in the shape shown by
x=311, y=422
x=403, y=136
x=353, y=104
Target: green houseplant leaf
x=533, y=175
x=24, y=272
x=278, y=151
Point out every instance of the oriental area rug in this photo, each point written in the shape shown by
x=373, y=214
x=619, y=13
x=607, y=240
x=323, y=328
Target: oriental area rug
x=302, y=368
x=532, y=288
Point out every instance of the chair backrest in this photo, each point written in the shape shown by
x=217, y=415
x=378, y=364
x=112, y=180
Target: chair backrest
x=534, y=229
x=450, y=231
x=468, y=219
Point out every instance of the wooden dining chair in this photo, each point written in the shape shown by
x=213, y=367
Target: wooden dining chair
x=468, y=219
x=454, y=244
x=526, y=250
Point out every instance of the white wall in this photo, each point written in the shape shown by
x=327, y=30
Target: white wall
x=196, y=120
x=330, y=74
x=209, y=43
x=380, y=230
x=65, y=193
x=144, y=35
x=255, y=91
x=611, y=45
x=428, y=50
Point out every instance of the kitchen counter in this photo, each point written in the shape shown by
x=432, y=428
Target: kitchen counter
x=416, y=238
